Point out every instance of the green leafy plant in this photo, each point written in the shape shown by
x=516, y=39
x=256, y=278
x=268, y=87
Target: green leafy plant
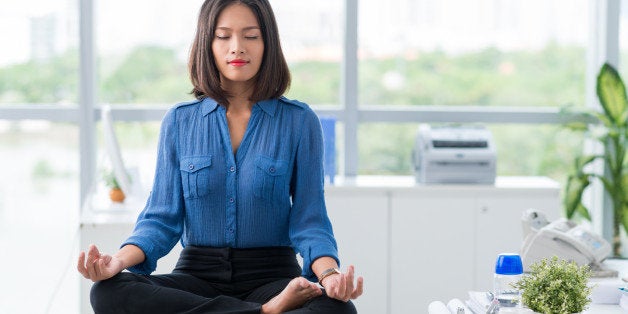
x=610, y=128
x=110, y=179
x=555, y=287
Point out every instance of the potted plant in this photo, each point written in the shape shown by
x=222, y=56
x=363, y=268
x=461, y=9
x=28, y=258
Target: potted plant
x=555, y=286
x=115, y=192
x=611, y=130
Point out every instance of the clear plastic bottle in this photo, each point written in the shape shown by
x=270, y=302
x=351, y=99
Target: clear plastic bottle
x=508, y=270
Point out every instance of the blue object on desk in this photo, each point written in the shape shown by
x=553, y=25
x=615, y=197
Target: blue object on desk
x=508, y=264
x=328, y=123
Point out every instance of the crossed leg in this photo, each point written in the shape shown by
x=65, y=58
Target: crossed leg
x=182, y=293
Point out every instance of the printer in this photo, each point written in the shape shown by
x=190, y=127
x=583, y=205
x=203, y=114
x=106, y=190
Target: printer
x=454, y=154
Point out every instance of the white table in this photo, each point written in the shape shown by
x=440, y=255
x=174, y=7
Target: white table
x=607, y=286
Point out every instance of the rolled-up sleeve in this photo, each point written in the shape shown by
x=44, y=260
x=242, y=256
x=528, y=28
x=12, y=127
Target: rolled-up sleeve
x=160, y=225
x=310, y=229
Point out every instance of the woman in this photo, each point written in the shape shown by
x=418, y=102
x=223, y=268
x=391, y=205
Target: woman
x=239, y=182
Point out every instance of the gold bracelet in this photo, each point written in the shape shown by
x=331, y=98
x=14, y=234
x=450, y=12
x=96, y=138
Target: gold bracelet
x=327, y=273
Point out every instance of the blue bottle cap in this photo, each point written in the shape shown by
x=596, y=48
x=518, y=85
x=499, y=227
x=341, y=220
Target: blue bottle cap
x=508, y=264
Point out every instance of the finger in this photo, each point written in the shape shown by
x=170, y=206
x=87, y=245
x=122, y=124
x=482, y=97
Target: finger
x=96, y=251
x=91, y=268
x=92, y=254
x=341, y=287
x=346, y=294
x=350, y=278
x=359, y=289
x=81, y=265
x=99, y=267
x=96, y=269
x=331, y=287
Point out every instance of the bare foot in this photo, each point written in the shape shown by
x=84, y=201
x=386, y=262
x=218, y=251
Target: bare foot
x=296, y=293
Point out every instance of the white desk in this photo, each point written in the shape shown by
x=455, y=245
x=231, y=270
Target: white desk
x=606, y=286
x=604, y=309
x=412, y=243
x=593, y=309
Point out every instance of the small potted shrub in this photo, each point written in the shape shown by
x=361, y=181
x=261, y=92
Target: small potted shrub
x=115, y=193
x=555, y=287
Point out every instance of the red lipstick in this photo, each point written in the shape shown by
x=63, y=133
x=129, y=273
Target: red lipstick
x=238, y=62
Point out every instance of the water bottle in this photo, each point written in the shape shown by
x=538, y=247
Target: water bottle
x=508, y=270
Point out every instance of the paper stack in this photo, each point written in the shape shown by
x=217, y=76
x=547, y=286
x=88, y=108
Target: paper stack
x=479, y=302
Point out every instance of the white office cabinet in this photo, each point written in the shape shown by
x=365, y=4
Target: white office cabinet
x=499, y=224
x=431, y=246
x=445, y=238
x=360, y=221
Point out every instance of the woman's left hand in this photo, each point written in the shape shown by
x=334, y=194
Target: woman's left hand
x=342, y=286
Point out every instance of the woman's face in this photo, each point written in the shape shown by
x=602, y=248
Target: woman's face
x=237, y=45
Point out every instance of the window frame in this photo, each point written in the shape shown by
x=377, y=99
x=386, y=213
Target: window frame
x=603, y=47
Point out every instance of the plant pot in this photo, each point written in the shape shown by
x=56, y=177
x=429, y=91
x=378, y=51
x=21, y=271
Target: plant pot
x=116, y=195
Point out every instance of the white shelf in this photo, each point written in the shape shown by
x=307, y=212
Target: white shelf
x=408, y=182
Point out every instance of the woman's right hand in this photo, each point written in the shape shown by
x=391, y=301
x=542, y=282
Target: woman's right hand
x=98, y=266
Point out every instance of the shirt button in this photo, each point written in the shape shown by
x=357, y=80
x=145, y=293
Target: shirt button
x=232, y=169
x=231, y=230
x=231, y=200
x=271, y=169
x=191, y=166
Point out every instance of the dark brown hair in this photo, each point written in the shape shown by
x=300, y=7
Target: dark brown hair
x=272, y=79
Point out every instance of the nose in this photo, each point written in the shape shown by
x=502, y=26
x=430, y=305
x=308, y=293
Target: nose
x=237, y=46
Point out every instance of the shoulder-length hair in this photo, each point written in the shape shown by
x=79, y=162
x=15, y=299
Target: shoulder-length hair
x=273, y=78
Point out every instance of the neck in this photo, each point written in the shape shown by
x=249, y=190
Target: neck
x=240, y=95
x=239, y=104
x=239, y=91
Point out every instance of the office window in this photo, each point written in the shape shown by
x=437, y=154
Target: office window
x=386, y=148
x=39, y=160
x=138, y=148
x=143, y=49
x=312, y=42
x=39, y=56
x=149, y=63
x=39, y=201
x=483, y=53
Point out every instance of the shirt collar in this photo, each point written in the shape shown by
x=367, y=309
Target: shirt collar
x=269, y=106
x=208, y=105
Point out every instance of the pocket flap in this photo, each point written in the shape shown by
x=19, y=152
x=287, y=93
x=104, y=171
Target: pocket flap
x=195, y=163
x=273, y=167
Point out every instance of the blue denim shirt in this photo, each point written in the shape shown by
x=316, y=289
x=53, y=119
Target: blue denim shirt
x=270, y=193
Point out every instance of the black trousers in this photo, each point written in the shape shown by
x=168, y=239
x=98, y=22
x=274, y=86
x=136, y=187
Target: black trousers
x=210, y=280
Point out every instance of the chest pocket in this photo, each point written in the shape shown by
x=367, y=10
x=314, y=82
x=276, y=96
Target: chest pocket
x=195, y=175
x=270, y=178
